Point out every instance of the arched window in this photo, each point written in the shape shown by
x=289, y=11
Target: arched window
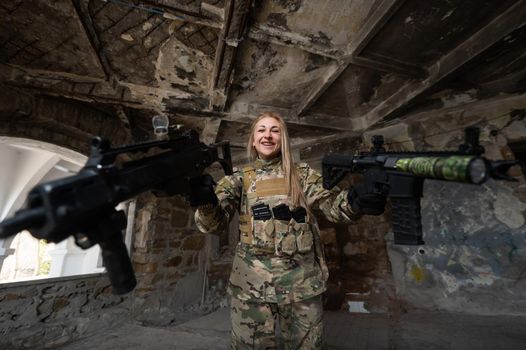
x=26, y=163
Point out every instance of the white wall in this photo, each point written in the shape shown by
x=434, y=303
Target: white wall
x=25, y=163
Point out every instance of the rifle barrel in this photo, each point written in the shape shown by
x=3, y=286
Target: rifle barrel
x=24, y=219
x=471, y=169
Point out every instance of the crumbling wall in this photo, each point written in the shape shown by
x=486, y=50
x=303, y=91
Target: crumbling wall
x=46, y=313
x=169, y=259
x=475, y=246
x=473, y=259
x=360, y=278
x=167, y=252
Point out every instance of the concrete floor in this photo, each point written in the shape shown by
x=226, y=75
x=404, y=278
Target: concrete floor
x=413, y=331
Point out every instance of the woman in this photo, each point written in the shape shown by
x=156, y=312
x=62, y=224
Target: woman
x=279, y=270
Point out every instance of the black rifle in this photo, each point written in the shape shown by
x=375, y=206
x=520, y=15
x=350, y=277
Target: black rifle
x=83, y=205
x=401, y=175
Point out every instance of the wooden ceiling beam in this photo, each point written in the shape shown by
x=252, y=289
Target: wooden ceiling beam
x=236, y=14
x=478, y=43
x=493, y=107
x=263, y=33
x=386, y=9
x=389, y=65
x=172, y=12
x=247, y=112
x=93, y=38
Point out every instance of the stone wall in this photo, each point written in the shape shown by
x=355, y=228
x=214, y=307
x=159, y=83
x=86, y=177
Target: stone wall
x=168, y=253
x=47, y=313
x=169, y=260
x=475, y=251
x=474, y=235
x=360, y=277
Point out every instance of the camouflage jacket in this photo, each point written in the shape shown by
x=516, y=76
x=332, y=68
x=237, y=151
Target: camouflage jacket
x=276, y=260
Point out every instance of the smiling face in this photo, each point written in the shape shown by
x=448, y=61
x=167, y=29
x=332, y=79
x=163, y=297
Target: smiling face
x=267, y=138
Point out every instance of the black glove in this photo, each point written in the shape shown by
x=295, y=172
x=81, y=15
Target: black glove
x=202, y=191
x=365, y=200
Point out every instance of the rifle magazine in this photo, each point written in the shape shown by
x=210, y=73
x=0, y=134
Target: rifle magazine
x=407, y=221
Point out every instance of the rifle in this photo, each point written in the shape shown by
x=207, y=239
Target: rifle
x=83, y=205
x=401, y=175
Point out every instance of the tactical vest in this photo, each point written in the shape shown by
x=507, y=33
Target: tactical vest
x=271, y=235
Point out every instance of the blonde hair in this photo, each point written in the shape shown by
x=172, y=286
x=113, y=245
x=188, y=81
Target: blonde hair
x=295, y=191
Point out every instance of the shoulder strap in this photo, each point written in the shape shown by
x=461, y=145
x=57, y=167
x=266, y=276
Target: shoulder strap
x=249, y=173
x=245, y=220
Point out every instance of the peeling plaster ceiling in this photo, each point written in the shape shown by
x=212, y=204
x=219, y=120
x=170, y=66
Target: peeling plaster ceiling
x=326, y=66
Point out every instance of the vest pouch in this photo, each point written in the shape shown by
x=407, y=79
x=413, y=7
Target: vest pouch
x=285, y=238
x=264, y=234
x=304, y=237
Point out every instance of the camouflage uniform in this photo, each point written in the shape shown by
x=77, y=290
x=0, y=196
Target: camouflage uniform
x=277, y=262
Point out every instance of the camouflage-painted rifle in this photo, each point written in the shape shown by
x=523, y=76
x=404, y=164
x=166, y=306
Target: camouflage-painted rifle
x=83, y=205
x=400, y=176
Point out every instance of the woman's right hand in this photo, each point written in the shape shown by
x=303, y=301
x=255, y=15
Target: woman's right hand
x=202, y=191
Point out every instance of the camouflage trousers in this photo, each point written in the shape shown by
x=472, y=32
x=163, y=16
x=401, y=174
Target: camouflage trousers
x=254, y=325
